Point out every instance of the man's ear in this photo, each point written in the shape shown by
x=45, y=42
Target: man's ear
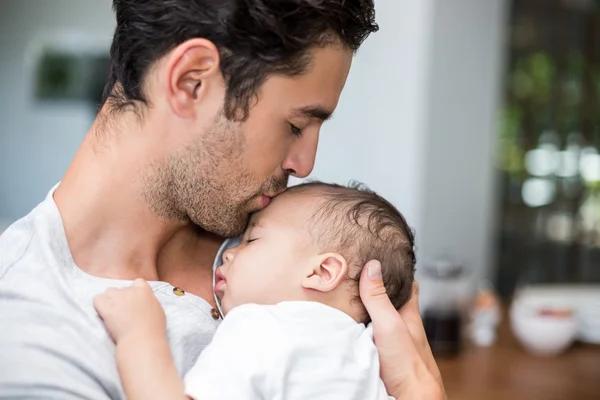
x=193, y=74
x=327, y=272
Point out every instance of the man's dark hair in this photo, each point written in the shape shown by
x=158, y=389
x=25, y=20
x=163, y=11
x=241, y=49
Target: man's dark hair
x=362, y=226
x=255, y=38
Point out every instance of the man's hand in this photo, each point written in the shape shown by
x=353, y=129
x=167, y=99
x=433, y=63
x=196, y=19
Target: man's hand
x=408, y=368
x=133, y=311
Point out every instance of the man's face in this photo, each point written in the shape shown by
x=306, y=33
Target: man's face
x=232, y=169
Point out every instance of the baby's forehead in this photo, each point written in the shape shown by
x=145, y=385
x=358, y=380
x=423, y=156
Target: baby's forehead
x=303, y=195
x=307, y=200
x=294, y=207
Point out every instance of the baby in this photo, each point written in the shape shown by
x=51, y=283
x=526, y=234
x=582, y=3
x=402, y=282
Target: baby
x=294, y=326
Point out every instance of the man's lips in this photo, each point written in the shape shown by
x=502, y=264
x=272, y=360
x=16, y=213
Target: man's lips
x=266, y=198
x=265, y=201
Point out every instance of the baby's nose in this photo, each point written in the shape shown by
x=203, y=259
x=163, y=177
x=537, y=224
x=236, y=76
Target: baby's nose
x=228, y=255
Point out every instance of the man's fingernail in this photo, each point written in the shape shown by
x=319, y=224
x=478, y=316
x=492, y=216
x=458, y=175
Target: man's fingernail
x=374, y=270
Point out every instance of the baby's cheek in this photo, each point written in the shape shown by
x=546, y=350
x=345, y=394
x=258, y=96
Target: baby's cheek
x=251, y=292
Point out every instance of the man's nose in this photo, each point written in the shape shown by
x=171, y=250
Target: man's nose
x=301, y=159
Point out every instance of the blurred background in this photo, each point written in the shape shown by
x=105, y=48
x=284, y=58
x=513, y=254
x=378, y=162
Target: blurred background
x=478, y=119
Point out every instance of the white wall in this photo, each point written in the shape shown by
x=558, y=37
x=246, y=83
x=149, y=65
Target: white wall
x=38, y=141
x=458, y=188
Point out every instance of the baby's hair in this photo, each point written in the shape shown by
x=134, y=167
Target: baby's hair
x=361, y=225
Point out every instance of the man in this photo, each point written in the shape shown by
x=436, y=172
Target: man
x=210, y=106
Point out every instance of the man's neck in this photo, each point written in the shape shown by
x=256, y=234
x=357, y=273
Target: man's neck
x=186, y=262
x=111, y=231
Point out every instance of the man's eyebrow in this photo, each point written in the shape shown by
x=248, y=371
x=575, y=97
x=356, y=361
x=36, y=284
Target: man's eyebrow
x=314, y=112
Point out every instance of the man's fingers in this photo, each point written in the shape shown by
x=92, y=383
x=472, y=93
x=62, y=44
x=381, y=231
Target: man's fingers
x=388, y=327
x=373, y=294
x=412, y=317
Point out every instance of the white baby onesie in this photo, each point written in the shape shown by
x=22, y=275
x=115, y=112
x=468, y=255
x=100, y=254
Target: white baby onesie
x=288, y=351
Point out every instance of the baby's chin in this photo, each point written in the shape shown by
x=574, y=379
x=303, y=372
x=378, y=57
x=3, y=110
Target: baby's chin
x=225, y=306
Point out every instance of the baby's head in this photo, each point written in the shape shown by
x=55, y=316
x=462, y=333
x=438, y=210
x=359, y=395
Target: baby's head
x=311, y=243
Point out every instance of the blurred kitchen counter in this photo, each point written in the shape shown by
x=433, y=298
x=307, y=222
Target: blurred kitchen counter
x=504, y=371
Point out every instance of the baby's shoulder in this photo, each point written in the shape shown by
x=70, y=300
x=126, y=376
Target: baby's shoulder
x=276, y=326
x=284, y=313
x=252, y=332
x=252, y=317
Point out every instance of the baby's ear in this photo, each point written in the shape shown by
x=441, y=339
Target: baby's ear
x=328, y=271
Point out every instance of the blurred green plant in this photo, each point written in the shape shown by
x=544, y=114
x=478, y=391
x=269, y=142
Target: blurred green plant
x=533, y=77
x=511, y=152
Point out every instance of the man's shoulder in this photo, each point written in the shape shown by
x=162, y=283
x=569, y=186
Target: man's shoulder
x=34, y=237
x=14, y=242
x=51, y=348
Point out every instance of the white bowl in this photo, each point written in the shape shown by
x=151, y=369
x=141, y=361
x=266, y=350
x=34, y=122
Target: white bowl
x=541, y=334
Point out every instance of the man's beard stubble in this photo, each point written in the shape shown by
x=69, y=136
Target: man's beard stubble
x=205, y=184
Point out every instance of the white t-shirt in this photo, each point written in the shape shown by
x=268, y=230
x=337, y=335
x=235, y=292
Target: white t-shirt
x=53, y=345
x=289, y=351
